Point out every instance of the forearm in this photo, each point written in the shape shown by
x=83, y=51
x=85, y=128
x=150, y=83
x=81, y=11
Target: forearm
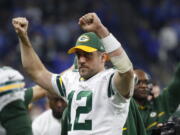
x=177, y=74
x=102, y=31
x=170, y=96
x=174, y=86
x=38, y=93
x=30, y=61
x=124, y=78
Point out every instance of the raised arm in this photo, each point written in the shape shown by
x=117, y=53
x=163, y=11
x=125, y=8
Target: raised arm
x=170, y=96
x=123, y=78
x=30, y=60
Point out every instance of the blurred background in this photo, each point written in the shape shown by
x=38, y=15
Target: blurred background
x=149, y=31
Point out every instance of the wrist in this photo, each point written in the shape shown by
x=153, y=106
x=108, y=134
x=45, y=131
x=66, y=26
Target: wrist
x=23, y=36
x=24, y=39
x=110, y=43
x=102, y=31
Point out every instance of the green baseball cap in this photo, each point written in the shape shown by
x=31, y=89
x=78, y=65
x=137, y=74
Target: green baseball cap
x=88, y=42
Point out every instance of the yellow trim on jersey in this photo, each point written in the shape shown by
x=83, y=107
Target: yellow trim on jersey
x=124, y=129
x=142, y=107
x=161, y=114
x=12, y=86
x=60, y=85
x=152, y=125
x=60, y=80
x=81, y=79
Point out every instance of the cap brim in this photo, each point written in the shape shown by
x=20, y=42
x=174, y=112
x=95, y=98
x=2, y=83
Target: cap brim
x=83, y=48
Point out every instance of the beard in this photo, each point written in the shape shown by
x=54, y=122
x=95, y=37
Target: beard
x=57, y=115
x=141, y=97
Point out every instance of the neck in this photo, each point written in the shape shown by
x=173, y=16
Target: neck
x=102, y=69
x=56, y=115
x=141, y=101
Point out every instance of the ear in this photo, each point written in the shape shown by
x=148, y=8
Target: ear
x=105, y=57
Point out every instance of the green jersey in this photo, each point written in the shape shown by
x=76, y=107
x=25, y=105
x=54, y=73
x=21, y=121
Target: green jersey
x=14, y=116
x=162, y=107
x=134, y=123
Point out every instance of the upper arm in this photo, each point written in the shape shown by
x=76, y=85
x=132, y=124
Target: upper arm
x=51, y=82
x=170, y=95
x=43, y=79
x=124, y=83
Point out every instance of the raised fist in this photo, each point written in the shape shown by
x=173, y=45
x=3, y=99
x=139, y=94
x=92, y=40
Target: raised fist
x=90, y=22
x=20, y=25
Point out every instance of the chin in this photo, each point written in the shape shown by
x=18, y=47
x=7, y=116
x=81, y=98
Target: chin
x=85, y=77
x=57, y=115
x=83, y=74
x=143, y=96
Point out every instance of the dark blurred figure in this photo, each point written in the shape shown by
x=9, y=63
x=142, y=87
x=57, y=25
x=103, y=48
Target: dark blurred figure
x=49, y=122
x=154, y=91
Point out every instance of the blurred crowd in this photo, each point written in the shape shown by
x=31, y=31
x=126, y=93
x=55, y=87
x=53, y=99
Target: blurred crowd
x=148, y=29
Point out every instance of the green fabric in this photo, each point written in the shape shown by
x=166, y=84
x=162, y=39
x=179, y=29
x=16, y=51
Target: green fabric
x=14, y=118
x=89, y=39
x=64, y=122
x=161, y=108
x=92, y=40
x=28, y=96
x=134, y=123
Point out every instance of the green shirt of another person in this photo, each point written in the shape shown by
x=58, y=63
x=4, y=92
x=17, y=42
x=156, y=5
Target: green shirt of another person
x=159, y=109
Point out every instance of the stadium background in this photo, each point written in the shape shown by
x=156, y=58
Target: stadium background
x=148, y=29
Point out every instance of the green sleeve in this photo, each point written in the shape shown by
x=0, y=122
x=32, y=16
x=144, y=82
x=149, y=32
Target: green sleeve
x=28, y=96
x=134, y=123
x=64, y=122
x=169, y=99
x=140, y=127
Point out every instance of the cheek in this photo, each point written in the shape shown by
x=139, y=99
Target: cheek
x=97, y=61
x=64, y=104
x=135, y=91
x=136, y=87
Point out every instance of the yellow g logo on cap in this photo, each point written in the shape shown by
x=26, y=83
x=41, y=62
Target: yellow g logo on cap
x=83, y=39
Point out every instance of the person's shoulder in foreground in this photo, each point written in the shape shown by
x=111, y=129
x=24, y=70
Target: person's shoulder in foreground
x=12, y=107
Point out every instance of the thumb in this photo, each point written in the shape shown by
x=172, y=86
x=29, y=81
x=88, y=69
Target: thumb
x=20, y=31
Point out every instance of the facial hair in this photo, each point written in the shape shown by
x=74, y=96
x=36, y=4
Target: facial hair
x=57, y=115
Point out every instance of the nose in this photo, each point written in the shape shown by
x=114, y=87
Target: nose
x=61, y=104
x=142, y=84
x=81, y=59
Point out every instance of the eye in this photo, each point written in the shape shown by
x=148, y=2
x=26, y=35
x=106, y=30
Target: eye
x=77, y=55
x=88, y=55
x=146, y=82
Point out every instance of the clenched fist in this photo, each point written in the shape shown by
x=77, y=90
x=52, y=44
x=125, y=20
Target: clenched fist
x=91, y=23
x=20, y=25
